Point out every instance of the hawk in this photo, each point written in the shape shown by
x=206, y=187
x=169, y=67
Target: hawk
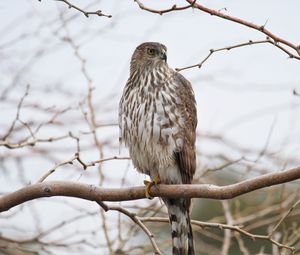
x=157, y=120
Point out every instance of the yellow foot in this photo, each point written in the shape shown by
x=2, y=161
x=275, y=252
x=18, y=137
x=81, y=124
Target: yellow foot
x=149, y=184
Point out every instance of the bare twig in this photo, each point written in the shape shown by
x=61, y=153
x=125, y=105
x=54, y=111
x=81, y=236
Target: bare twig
x=81, y=162
x=284, y=217
x=227, y=48
x=225, y=165
x=266, y=211
x=12, y=126
x=161, y=12
x=139, y=222
x=52, y=170
x=97, y=13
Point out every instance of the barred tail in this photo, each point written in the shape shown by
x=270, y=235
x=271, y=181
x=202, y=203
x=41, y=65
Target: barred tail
x=182, y=235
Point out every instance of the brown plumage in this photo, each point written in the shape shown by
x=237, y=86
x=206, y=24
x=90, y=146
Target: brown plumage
x=157, y=119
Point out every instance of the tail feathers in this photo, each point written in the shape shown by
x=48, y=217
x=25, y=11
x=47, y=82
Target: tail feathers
x=182, y=235
x=191, y=249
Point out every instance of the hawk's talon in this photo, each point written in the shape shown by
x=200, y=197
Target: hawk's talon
x=149, y=185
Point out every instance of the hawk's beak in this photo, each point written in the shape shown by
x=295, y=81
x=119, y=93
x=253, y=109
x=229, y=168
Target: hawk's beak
x=163, y=54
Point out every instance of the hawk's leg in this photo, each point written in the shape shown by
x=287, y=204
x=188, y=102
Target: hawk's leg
x=149, y=184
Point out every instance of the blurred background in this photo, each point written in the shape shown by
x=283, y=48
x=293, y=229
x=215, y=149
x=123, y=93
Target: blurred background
x=62, y=75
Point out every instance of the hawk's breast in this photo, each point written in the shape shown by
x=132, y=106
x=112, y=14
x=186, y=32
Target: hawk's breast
x=151, y=123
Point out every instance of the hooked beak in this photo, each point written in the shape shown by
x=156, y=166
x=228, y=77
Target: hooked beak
x=163, y=54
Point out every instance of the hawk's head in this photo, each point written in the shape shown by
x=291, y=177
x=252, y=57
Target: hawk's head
x=149, y=54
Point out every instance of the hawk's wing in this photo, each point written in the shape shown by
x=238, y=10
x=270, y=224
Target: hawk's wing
x=186, y=156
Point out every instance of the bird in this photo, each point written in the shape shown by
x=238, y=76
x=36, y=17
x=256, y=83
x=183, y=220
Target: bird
x=157, y=122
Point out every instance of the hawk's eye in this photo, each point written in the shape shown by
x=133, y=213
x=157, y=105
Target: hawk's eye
x=151, y=51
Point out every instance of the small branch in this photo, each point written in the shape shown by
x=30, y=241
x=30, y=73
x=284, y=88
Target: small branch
x=140, y=223
x=11, y=128
x=225, y=165
x=161, y=12
x=97, y=13
x=284, y=217
x=97, y=194
x=31, y=141
x=53, y=169
x=227, y=48
x=84, y=165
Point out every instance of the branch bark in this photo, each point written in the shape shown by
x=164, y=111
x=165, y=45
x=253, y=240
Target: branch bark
x=99, y=194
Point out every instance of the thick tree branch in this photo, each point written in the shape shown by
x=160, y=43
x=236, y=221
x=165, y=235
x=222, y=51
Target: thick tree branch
x=97, y=194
